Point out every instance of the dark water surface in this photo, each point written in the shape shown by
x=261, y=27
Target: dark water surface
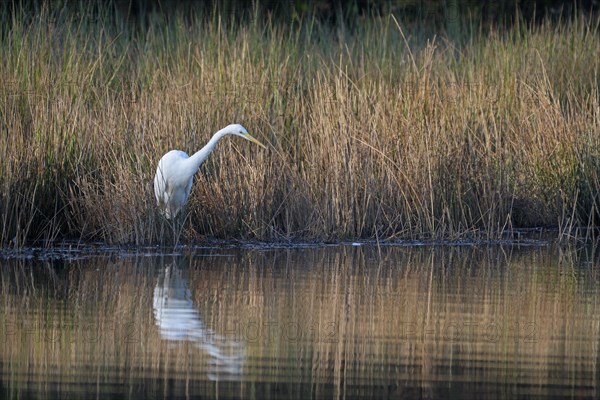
x=332, y=322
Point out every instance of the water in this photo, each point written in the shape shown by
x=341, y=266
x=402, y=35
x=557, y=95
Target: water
x=330, y=322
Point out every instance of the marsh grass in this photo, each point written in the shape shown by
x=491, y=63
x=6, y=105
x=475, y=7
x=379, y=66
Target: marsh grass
x=373, y=132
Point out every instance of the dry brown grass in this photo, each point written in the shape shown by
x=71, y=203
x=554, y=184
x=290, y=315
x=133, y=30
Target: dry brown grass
x=370, y=135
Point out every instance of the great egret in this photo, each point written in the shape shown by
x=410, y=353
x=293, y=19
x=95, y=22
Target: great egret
x=175, y=172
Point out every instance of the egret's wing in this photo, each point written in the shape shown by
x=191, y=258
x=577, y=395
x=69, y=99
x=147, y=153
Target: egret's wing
x=160, y=186
x=169, y=189
x=188, y=188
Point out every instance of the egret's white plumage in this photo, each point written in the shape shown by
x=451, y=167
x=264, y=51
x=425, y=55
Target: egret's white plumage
x=175, y=172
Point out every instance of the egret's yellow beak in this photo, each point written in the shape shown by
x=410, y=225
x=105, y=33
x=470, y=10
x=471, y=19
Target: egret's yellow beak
x=252, y=139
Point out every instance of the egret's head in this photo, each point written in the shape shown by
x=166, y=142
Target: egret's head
x=239, y=130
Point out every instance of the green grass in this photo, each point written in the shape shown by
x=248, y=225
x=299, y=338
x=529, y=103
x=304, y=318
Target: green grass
x=375, y=132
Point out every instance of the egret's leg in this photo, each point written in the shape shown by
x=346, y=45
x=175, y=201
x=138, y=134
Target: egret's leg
x=178, y=226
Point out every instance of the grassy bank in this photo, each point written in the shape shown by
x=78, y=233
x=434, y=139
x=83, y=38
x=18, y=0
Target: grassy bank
x=377, y=132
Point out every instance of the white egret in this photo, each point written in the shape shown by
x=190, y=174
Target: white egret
x=175, y=172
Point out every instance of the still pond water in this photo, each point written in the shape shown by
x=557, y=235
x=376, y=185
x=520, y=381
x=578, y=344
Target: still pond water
x=326, y=322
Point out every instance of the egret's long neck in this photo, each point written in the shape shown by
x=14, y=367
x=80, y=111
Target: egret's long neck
x=198, y=157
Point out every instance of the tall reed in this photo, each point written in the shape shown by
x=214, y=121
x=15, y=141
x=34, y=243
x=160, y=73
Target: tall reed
x=373, y=132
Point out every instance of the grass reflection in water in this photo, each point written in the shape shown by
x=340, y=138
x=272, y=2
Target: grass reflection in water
x=353, y=322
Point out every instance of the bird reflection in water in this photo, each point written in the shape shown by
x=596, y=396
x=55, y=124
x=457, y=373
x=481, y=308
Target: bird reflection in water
x=178, y=319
